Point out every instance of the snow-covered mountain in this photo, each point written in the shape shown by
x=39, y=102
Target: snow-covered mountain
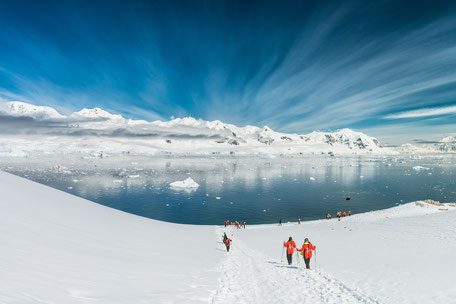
x=98, y=130
x=445, y=145
x=22, y=109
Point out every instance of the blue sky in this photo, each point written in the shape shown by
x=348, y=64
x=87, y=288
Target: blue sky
x=387, y=68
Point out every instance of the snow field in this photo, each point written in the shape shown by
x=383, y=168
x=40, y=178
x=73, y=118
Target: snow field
x=58, y=248
x=251, y=277
x=400, y=255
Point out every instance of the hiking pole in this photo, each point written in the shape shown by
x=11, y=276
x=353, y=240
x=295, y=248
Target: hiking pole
x=281, y=259
x=315, y=259
x=297, y=257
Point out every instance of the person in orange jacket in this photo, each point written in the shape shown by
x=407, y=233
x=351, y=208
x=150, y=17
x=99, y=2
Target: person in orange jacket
x=244, y=225
x=349, y=213
x=344, y=214
x=227, y=244
x=307, y=248
x=290, y=245
x=328, y=216
x=299, y=221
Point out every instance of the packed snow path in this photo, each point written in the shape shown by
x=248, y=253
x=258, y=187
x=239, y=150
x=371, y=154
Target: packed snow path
x=250, y=277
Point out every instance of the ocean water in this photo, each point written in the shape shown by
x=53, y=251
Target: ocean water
x=254, y=190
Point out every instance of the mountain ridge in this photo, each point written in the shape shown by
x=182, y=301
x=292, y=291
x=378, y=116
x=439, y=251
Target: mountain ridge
x=189, y=134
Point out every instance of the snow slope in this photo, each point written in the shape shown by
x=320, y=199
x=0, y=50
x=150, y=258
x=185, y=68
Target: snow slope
x=22, y=109
x=96, y=130
x=399, y=255
x=58, y=248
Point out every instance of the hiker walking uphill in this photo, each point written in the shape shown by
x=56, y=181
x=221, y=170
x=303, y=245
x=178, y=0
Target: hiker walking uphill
x=227, y=244
x=290, y=245
x=306, y=250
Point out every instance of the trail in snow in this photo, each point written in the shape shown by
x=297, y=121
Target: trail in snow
x=250, y=277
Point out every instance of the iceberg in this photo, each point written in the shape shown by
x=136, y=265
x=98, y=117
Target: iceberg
x=188, y=183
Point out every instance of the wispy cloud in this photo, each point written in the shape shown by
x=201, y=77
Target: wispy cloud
x=296, y=67
x=423, y=112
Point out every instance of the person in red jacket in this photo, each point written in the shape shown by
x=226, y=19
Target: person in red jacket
x=290, y=245
x=227, y=244
x=307, y=248
x=344, y=214
x=349, y=213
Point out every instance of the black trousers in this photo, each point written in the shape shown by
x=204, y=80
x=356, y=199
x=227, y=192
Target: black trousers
x=289, y=258
x=307, y=261
x=227, y=248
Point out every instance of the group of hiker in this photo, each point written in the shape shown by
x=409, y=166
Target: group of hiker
x=234, y=224
x=339, y=214
x=306, y=250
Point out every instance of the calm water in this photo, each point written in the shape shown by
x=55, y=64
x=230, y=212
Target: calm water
x=254, y=190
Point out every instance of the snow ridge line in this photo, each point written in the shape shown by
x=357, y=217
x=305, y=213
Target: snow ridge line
x=250, y=277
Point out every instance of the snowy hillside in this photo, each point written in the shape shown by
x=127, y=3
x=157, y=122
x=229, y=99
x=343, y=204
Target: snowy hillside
x=58, y=248
x=22, y=109
x=98, y=131
x=445, y=145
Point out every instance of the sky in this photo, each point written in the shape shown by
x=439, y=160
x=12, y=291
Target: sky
x=387, y=68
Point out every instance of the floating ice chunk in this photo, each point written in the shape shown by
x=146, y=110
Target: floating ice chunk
x=418, y=168
x=75, y=180
x=312, y=178
x=117, y=181
x=188, y=183
x=217, y=197
x=133, y=176
x=70, y=188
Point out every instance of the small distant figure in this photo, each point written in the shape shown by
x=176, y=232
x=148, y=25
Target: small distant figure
x=306, y=250
x=224, y=236
x=349, y=213
x=328, y=216
x=348, y=198
x=244, y=225
x=290, y=245
x=344, y=214
x=280, y=222
x=299, y=221
x=227, y=243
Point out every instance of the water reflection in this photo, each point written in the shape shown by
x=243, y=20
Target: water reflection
x=251, y=189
